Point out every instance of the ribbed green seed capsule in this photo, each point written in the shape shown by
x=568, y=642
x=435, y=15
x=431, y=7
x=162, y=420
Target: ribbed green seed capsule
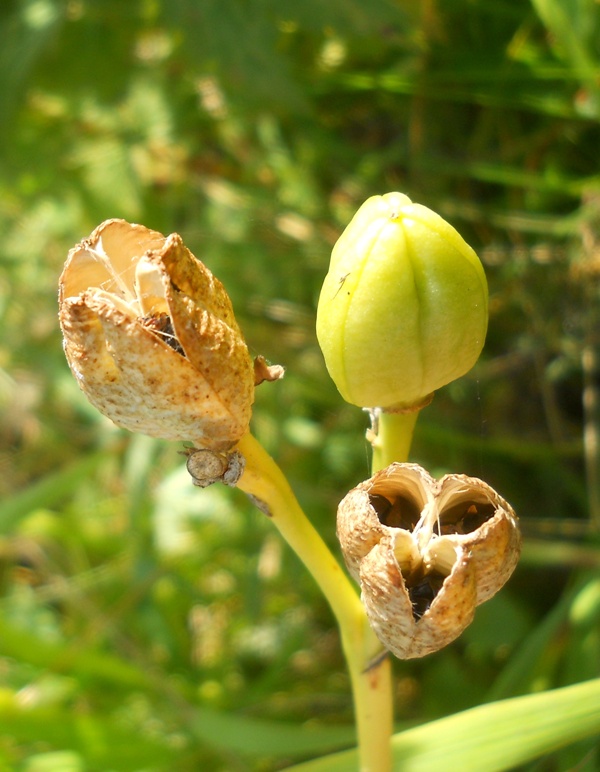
x=404, y=307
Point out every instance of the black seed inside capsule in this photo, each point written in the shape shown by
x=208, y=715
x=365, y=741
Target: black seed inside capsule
x=162, y=326
x=423, y=593
x=399, y=512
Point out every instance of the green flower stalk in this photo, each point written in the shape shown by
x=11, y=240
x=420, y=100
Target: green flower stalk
x=403, y=310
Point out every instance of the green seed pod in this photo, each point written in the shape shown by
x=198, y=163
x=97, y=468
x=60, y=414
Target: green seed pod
x=404, y=307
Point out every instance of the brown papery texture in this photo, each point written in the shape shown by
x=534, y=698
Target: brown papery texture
x=425, y=552
x=151, y=337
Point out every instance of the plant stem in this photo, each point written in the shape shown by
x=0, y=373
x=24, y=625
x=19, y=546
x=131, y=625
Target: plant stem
x=591, y=413
x=393, y=439
x=371, y=683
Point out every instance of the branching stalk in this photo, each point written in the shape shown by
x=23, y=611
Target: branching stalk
x=370, y=674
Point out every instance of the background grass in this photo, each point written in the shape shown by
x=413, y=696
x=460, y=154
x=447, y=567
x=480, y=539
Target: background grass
x=146, y=625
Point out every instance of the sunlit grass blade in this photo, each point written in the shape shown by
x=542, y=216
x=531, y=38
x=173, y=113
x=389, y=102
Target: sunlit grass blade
x=492, y=737
x=526, y=667
x=568, y=24
x=532, y=99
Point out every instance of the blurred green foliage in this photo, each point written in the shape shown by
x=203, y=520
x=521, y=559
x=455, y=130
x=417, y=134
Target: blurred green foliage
x=146, y=625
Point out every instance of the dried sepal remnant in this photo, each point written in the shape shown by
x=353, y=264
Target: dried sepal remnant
x=265, y=372
x=426, y=552
x=152, y=339
x=207, y=467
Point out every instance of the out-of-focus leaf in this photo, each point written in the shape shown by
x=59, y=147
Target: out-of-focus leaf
x=83, y=662
x=532, y=100
x=217, y=729
x=99, y=740
x=575, y=26
x=526, y=668
x=47, y=491
x=108, y=174
x=24, y=34
x=54, y=761
x=273, y=738
x=560, y=553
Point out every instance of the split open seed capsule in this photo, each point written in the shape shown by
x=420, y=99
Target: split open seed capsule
x=152, y=340
x=426, y=552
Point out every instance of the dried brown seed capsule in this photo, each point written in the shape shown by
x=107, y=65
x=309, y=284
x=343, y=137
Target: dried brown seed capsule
x=152, y=339
x=426, y=552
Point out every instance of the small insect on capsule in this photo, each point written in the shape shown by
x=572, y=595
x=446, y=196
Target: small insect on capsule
x=342, y=281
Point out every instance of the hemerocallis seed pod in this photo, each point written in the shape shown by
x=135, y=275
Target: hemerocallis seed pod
x=152, y=340
x=403, y=309
x=426, y=552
